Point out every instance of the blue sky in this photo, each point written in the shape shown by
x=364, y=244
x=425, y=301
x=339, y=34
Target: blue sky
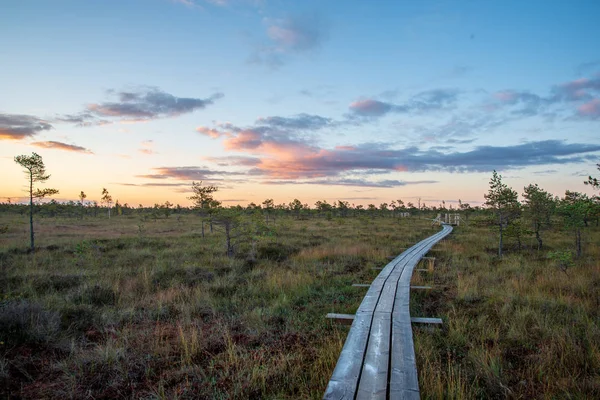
x=365, y=101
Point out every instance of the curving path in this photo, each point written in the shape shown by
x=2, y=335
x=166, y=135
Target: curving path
x=378, y=357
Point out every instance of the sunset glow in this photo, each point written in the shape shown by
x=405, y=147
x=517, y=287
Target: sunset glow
x=360, y=101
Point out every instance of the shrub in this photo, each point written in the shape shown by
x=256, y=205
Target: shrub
x=96, y=295
x=26, y=322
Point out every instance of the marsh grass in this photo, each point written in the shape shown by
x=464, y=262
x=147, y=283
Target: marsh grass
x=104, y=309
x=519, y=327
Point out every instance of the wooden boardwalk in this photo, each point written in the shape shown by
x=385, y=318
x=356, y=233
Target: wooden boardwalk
x=378, y=357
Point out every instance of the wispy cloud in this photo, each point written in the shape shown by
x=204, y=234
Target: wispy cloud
x=289, y=36
x=388, y=183
x=297, y=122
x=18, y=127
x=591, y=109
x=574, y=99
x=139, y=104
x=188, y=173
x=154, y=184
x=147, y=147
x=61, y=146
x=235, y=161
x=82, y=119
x=426, y=101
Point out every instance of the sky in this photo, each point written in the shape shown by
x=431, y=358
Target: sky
x=361, y=101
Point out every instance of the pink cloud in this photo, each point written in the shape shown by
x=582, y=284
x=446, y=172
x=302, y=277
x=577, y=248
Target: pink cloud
x=506, y=96
x=590, y=109
x=245, y=140
x=370, y=107
x=349, y=148
x=213, y=133
x=147, y=147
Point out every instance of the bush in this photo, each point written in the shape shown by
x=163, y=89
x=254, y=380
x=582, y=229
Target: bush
x=79, y=318
x=96, y=295
x=26, y=322
x=47, y=283
x=275, y=251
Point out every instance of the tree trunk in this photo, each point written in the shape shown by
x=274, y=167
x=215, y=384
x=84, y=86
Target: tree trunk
x=228, y=238
x=31, y=234
x=578, y=241
x=538, y=237
x=202, y=229
x=500, y=241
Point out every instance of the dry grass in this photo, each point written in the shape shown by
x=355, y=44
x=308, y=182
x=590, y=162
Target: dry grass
x=109, y=310
x=519, y=327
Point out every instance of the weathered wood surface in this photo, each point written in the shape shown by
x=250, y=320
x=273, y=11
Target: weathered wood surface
x=378, y=357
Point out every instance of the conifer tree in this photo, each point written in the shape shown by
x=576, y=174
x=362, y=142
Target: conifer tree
x=35, y=171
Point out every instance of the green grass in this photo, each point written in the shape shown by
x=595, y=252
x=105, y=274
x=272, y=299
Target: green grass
x=105, y=309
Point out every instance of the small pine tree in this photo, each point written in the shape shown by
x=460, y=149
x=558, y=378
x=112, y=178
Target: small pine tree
x=35, y=171
x=502, y=200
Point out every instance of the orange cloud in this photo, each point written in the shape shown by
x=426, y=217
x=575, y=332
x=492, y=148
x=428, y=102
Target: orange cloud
x=61, y=146
x=213, y=133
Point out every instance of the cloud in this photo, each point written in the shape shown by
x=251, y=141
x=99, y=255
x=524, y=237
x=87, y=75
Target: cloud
x=294, y=35
x=154, y=184
x=188, y=173
x=322, y=163
x=213, y=133
x=371, y=108
x=83, y=119
x=61, y=146
x=147, y=147
x=298, y=122
x=389, y=183
x=426, y=101
x=459, y=129
x=188, y=3
x=587, y=67
x=579, y=89
x=583, y=92
x=234, y=161
x=146, y=103
x=297, y=33
x=18, y=127
x=271, y=135
x=590, y=109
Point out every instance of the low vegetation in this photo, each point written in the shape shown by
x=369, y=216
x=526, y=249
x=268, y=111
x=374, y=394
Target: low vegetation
x=221, y=302
x=524, y=326
x=103, y=309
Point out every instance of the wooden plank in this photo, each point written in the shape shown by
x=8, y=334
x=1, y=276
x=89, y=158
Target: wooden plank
x=345, y=319
x=344, y=380
x=374, y=377
x=423, y=320
x=404, y=381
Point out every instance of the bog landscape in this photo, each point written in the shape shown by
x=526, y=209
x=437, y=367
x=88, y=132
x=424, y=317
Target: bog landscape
x=284, y=199
x=230, y=302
